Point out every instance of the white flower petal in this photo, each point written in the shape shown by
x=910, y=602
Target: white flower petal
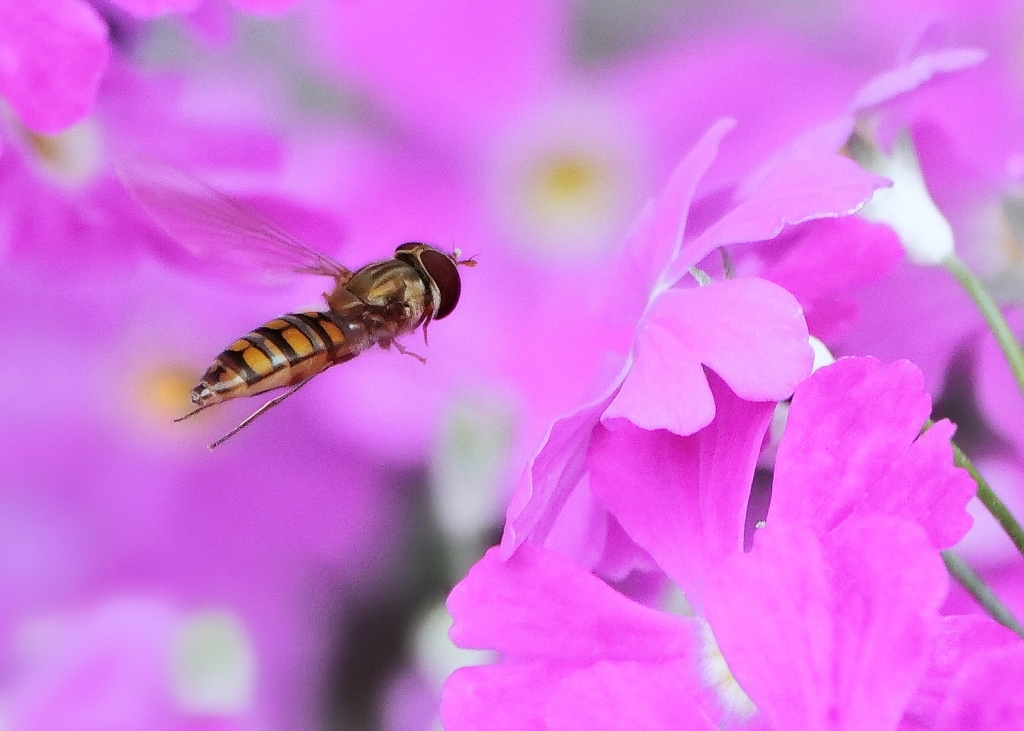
x=907, y=207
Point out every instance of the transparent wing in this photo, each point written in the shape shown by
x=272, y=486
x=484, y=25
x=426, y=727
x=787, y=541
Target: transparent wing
x=219, y=231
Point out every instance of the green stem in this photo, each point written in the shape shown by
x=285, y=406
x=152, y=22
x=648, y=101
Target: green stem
x=991, y=501
x=1015, y=357
x=990, y=311
x=970, y=581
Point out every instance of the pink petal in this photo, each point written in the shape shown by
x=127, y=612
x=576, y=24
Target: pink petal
x=505, y=697
x=656, y=235
x=585, y=532
x=748, y=331
x=913, y=74
x=580, y=528
x=613, y=696
x=649, y=480
x=108, y=665
x=847, y=425
x=924, y=486
x=961, y=639
x=682, y=499
x=539, y=605
x=623, y=560
x=987, y=695
x=550, y=478
x=771, y=614
x=652, y=247
x=832, y=258
x=830, y=635
x=967, y=131
x=729, y=449
x=854, y=426
x=52, y=56
x=824, y=185
x=666, y=387
x=888, y=583
x=917, y=313
x=213, y=23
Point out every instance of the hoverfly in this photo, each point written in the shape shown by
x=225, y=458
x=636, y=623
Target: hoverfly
x=373, y=305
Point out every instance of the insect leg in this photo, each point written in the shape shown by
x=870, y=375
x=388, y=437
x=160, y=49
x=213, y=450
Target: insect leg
x=193, y=412
x=405, y=351
x=249, y=419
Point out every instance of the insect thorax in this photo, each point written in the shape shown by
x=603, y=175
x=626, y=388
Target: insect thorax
x=393, y=290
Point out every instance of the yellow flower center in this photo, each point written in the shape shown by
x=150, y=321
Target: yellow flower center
x=569, y=177
x=569, y=191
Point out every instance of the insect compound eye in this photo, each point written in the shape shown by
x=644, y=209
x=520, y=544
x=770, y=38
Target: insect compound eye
x=445, y=274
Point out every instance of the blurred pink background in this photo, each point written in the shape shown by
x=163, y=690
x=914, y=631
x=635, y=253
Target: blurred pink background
x=294, y=578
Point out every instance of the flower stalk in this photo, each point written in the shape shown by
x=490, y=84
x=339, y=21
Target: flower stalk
x=993, y=316
x=977, y=588
x=991, y=501
x=1015, y=357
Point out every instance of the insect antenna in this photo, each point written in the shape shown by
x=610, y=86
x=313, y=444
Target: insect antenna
x=249, y=419
x=468, y=262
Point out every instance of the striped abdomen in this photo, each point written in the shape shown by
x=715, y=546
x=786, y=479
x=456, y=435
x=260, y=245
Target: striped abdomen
x=284, y=352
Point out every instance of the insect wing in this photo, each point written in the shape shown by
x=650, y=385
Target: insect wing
x=219, y=231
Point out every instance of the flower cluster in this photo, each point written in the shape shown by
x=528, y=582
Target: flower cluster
x=831, y=619
x=822, y=610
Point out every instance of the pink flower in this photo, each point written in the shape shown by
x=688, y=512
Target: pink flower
x=54, y=54
x=817, y=633
x=823, y=624
x=748, y=332
x=484, y=126
x=844, y=623
x=66, y=212
x=884, y=309
x=703, y=482
x=551, y=167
